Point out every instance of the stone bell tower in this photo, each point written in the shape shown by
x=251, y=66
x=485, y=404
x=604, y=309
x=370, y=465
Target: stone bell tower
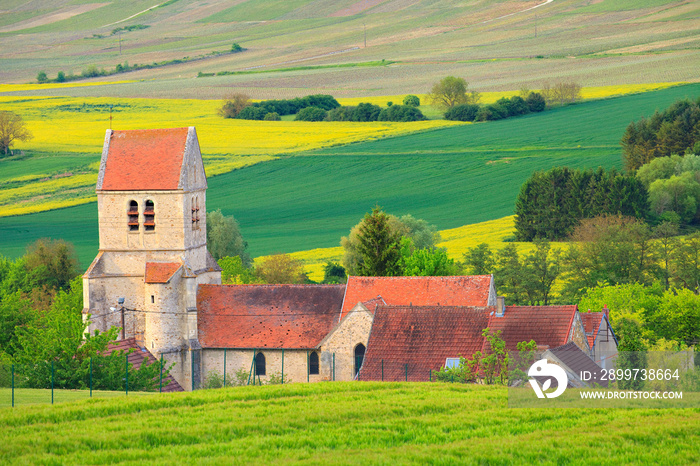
x=151, y=200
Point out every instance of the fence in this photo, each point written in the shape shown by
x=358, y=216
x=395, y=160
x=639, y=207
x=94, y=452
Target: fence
x=57, y=381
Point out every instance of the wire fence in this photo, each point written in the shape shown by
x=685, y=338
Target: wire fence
x=58, y=381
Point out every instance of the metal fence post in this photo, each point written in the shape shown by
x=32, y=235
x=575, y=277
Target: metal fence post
x=308, y=369
x=13, y=385
x=431, y=375
x=406, y=365
x=224, y=367
x=90, y=377
x=160, y=389
x=282, y=366
x=252, y=364
x=52, y=377
x=382, y=370
x=333, y=367
x=126, y=375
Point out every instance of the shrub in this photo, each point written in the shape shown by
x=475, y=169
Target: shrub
x=535, y=101
x=366, y=112
x=400, y=113
x=465, y=112
x=342, y=114
x=252, y=113
x=233, y=106
x=311, y=114
x=492, y=112
x=515, y=106
x=236, y=48
x=272, y=116
x=411, y=101
x=41, y=78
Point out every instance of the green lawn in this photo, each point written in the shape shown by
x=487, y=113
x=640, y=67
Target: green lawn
x=450, y=177
x=349, y=423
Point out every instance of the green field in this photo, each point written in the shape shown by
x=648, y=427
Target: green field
x=450, y=177
x=348, y=423
x=32, y=396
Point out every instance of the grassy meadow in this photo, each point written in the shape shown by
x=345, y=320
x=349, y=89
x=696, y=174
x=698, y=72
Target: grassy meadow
x=343, y=422
x=452, y=177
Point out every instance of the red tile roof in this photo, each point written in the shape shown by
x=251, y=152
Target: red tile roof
x=547, y=325
x=148, y=159
x=422, y=337
x=161, y=272
x=419, y=291
x=578, y=361
x=267, y=316
x=138, y=356
x=591, y=324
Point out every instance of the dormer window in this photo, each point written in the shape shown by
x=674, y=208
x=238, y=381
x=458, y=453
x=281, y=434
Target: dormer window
x=149, y=216
x=132, y=216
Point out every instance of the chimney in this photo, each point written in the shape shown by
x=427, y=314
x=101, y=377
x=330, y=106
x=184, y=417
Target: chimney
x=606, y=311
x=500, y=306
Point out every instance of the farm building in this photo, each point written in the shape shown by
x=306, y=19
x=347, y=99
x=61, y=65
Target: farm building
x=154, y=278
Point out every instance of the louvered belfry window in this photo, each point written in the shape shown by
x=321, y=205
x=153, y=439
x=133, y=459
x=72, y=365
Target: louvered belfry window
x=149, y=216
x=132, y=216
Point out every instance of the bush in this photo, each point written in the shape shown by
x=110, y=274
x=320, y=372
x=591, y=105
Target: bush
x=41, y=78
x=252, y=113
x=272, y=116
x=342, y=114
x=402, y=113
x=234, y=105
x=492, y=112
x=535, y=101
x=515, y=106
x=465, y=112
x=366, y=112
x=311, y=114
x=411, y=101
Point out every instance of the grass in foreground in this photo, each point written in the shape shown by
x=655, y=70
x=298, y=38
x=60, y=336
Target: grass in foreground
x=31, y=396
x=349, y=423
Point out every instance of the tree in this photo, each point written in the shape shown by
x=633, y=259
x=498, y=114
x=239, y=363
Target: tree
x=234, y=105
x=41, y=78
x=542, y=268
x=479, y=260
x=234, y=272
x=12, y=128
x=224, y=238
x=51, y=263
x=401, y=113
x=280, y=268
x=451, y=91
x=431, y=262
x=334, y=273
x=420, y=232
x=510, y=274
x=411, y=100
x=379, y=246
x=462, y=112
x=61, y=77
x=535, y=102
x=311, y=114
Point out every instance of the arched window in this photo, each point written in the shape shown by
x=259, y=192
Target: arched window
x=260, y=364
x=149, y=216
x=359, y=357
x=313, y=363
x=132, y=216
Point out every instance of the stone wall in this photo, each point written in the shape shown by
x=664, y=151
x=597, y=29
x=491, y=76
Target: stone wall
x=353, y=330
x=578, y=335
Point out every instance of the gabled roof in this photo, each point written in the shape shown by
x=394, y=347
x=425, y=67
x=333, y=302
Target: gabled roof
x=419, y=291
x=422, y=337
x=547, y=325
x=161, y=272
x=143, y=160
x=578, y=361
x=140, y=355
x=267, y=316
x=591, y=324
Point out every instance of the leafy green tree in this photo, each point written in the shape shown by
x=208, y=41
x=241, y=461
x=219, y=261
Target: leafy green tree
x=685, y=263
x=51, y=263
x=12, y=128
x=233, y=271
x=311, y=114
x=378, y=246
x=334, y=273
x=543, y=267
x=679, y=194
x=61, y=77
x=224, y=238
x=41, y=78
x=236, y=47
x=678, y=317
x=280, y=268
x=535, y=102
x=401, y=113
x=366, y=112
x=411, y=100
x=462, y=112
x=479, y=260
x=451, y=91
x=234, y=105
x=431, y=262
x=510, y=275
x=631, y=352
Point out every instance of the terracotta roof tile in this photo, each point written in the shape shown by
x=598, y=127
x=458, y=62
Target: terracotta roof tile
x=267, y=316
x=547, y=325
x=148, y=159
x=419, y=291
x=161, y=272
x=138, y=356
x=591, y=324
x=422, y=337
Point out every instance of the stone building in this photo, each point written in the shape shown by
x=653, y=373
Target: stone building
x=151, y=200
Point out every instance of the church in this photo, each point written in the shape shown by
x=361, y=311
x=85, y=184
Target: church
x=155, y=280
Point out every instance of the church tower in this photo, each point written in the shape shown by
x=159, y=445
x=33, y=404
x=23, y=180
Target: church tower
x=151, y=200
